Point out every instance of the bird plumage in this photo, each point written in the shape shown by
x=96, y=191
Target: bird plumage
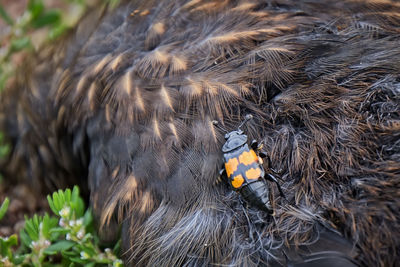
x=124, y=105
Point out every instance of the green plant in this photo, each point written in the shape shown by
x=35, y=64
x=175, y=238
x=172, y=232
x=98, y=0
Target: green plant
x=4, y=150
x=66, y=239
x=4, y=147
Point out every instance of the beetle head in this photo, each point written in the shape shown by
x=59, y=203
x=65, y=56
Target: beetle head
x=233, y=134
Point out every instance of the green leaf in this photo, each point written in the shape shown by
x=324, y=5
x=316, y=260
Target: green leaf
x=18, y=259
x=77, y=203
x=61, y=197
x=32, y=227
x=48, y=18
x=80, y=209
x=5, y=245
x=52, y=206
x=5, y=250
x=59, y=246
x=12, y=240
x=117, y=248
x=70, y=253
x=78, y=260
x=47, y=224
x=5, y=16
x=4, y=207
x=57, y=31
x=4, y=150
x=35, y=7
x=19, y=44
x=67, y=195
x=52, y=264
x=87, y=218
x=57, y=203
x=75, y=194
x=59, y=230
x=25, y=239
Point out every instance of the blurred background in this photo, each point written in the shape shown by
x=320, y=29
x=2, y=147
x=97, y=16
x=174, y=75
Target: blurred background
x=25, y=27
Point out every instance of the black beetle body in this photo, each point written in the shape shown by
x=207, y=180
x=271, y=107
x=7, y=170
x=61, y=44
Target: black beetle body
x=244, y=170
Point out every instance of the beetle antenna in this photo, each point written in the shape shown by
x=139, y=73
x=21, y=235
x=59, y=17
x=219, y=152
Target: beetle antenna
x=246, y=119
x=219, y=126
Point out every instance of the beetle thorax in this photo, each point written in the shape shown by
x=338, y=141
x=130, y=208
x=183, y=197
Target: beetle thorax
x=234, y=140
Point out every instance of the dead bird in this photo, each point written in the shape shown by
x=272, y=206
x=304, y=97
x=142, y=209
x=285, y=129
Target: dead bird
x=124, y=105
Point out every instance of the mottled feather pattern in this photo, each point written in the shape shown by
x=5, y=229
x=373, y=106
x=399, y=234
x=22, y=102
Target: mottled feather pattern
x=124, y=106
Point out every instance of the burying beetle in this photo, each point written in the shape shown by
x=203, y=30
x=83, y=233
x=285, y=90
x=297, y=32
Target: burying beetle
x=243, y=169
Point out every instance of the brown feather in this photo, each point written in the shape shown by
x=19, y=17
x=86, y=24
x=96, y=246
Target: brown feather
x=123, y=106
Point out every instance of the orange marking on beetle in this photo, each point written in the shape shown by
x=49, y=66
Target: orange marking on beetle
x=253, y=173
x=248, y=158
x=231, y=166
x=237, y=181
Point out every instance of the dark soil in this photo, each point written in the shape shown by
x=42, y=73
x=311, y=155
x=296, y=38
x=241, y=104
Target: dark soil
x=22, y=202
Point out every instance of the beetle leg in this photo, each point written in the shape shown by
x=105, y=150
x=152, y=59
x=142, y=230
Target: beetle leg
x=273, y=179
x=278, y=173
x=254, y=144
x=263, y=154
x=222, y=175
x=260, y=146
